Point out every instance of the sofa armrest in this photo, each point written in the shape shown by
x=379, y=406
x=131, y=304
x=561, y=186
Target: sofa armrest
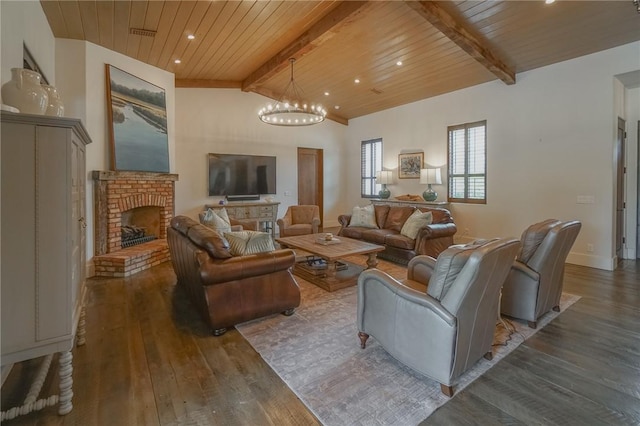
x=344, y=220
x=420, y=269
x=284, y=221
x=381, y=288
x=214, y=271
x=435, y=238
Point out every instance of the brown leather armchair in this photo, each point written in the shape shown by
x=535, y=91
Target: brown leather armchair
x=299, y=220
x=228, y=290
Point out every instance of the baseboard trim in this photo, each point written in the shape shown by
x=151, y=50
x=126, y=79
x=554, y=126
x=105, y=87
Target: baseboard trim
x=592, y=261
x=581, y=259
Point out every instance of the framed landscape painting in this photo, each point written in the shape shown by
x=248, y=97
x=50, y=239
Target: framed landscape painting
x=409, y=165
x=138, y=116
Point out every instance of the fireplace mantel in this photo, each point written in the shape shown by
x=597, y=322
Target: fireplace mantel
x=125, y=175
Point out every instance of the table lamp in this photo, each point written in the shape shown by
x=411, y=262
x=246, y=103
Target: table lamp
x=384, y=177
x=430, y=176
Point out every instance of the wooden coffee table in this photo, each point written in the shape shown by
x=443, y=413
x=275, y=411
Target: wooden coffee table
x=320, y=262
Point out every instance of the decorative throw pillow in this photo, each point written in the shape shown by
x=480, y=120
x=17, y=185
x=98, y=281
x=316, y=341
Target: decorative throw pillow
x=218, y=220
x=416, y=221
x=249, y=242
x=363, y=217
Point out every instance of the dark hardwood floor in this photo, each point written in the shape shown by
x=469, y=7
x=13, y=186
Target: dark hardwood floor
x=583, y=368
x=149, y=359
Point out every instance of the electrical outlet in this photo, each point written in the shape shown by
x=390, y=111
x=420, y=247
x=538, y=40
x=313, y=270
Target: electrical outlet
x=590, y=248
x=287, y=193
x=585, y=199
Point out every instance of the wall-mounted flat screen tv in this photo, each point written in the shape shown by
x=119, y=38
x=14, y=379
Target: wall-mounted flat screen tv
x=237, y=174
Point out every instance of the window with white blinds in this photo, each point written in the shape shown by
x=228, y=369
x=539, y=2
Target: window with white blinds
x=370, y=164
x=468, y=163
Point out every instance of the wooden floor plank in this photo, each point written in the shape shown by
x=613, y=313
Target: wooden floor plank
x=623, y=407
x=149, y=359
x=472, y=411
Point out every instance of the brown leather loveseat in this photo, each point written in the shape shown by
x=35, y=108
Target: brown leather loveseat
x=430, y=240
x=226, y=289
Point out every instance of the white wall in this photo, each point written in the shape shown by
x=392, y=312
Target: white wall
x=81, y=68
x=550, y=139
x=632, y=157
x=25, y=22
x=226, y=121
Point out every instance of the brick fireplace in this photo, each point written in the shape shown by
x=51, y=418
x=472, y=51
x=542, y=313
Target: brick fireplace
x=141, y=199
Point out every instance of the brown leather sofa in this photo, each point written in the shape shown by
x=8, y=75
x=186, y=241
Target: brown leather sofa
x=228, y=290
x=431, y=239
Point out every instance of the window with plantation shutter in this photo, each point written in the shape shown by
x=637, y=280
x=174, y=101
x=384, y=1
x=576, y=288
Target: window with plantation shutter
x=370, y=164
x=468, y=163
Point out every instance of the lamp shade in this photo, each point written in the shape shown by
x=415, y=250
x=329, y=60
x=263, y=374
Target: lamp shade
x=384, y=177
x=430, y=176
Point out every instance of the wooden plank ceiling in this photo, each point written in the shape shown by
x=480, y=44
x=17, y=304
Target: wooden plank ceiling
x=443, y=46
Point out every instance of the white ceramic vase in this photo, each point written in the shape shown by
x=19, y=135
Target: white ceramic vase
x=24, y=92
x=54, y=105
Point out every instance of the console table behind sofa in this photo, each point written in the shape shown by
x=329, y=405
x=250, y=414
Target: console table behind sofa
x=264, y=212
x=441, y=204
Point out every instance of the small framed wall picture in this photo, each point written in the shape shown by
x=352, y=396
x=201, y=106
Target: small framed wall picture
x=409, y=165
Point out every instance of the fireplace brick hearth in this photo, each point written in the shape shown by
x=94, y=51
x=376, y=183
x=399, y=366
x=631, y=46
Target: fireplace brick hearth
x=117, y=192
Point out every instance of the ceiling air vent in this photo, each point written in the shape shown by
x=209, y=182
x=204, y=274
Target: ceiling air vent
x=376, y=91
x=142, y=32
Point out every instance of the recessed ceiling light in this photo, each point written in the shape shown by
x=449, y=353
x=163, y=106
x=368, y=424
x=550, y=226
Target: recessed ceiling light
x=177, y=61
x=357, y=80
x=191, y=37
x=399, y=63
x=549, y=1
x=337, y=107
x=326, y=93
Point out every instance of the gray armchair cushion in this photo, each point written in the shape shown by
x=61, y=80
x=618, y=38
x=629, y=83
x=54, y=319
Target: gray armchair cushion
x=532, y=238
x=448, y=267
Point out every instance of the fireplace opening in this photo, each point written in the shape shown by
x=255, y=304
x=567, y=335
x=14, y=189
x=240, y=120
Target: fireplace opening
x=140, y=225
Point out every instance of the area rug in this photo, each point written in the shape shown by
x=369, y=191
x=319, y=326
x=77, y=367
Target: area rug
x=317, y=353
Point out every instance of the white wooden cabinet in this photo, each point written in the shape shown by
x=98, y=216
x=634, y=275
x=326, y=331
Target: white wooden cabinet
x=43, y=239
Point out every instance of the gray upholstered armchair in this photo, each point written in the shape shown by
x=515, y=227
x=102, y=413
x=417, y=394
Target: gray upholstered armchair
x=442, y=319
x=534, y=285
x=299, y=220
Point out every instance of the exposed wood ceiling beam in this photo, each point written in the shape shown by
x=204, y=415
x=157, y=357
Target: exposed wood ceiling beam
x=328, y=26
x=208, y=84
x=457, y=32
